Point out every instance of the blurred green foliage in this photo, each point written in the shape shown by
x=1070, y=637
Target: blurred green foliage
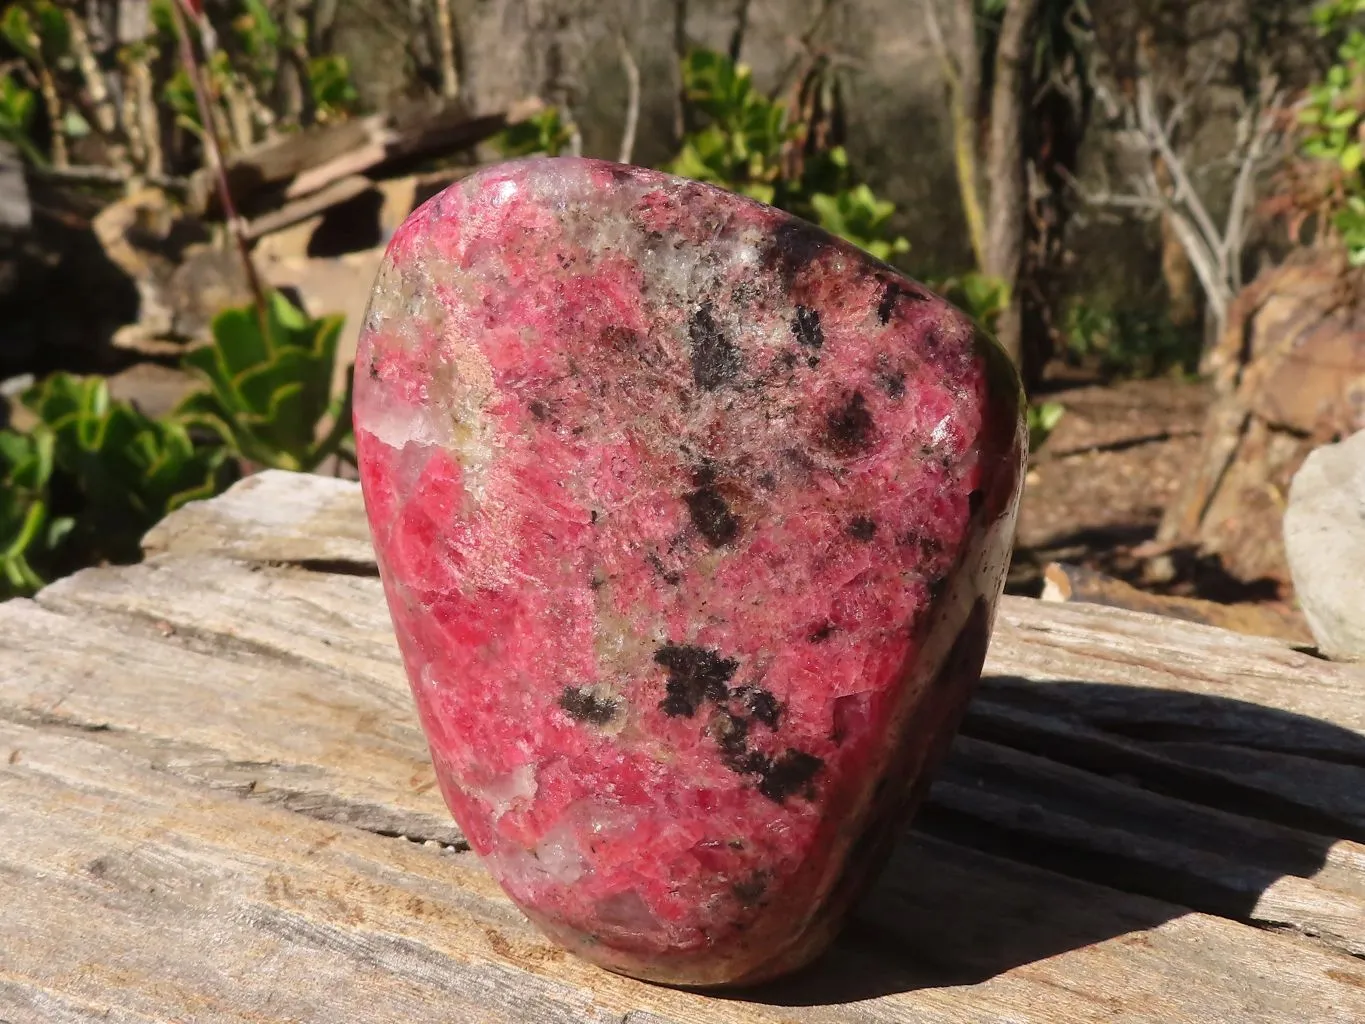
x=1123, y=343
x=269, y=385
x=29, y=533
x=90, y=478
x=544, y=133
x=17, y=107
x=37, y=31
x=94, y=474
x=1043, y=419
x=748, y=142
x=1332, y=122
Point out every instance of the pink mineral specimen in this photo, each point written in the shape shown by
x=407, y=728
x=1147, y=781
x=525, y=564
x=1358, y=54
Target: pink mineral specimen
x=692, y=521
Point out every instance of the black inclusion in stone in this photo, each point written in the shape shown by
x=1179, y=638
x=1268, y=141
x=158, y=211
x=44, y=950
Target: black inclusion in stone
x=789, y=773
x=764, y=707
x=586, y=706
x=892, y=294
x=974, y=502
x=715, y=359
x=751, y=890
x=887, y=305
x=862, y=528
x=712, y=516
x=795, y=245
x=806, y=328
x=731, y=734
x=849, y=429
x=892, y=383
x=822, y=634
x=670, y=576
x=695, y=675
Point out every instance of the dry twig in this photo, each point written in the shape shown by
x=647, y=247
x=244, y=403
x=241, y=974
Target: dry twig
x=632, y=71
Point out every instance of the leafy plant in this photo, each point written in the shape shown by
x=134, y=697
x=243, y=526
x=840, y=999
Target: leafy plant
x=29, y=533
x=1128, y=342
x=38, y=31
x=121, y=471
x=17, y=106
x=1332, y=123
x=269, y=386
x=980, y=295
x=858, y=216
x=1043, y=419
x=745, y=146
x=741, y=148
x=330, y=85
x=545, y=132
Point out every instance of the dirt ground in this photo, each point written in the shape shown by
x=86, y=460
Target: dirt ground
x=1097, y=487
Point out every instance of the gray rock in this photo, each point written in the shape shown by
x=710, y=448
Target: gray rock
x=16, y=215
x=1324, y=535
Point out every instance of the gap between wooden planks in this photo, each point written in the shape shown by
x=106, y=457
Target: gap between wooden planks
x=191, y=682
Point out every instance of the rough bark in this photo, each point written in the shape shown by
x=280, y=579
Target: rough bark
x=1006, y=221
x=961, y=61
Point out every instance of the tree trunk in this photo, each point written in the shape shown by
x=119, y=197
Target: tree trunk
x=291, y=75
x=680, y=48
x=1007, y=217
x=961, y=61
x=445, y=40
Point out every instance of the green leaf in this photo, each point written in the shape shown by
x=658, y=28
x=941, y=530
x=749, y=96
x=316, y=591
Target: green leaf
x=1351, y=158
x=74, y=125
x=267, y=395
x=237, y=346
x=1042, y=421
x=19, y=31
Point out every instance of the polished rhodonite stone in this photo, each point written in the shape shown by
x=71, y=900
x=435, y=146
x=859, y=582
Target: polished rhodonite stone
x=692, y=521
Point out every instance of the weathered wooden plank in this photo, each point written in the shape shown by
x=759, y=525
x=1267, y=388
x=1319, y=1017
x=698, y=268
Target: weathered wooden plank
x=1113, y=831
x=340, y=623
x=1130, y=651
x=340, y=746
x=273, y=517
x=133, y=895
x=338, y=192
x=1318, y=796
x=199, y=674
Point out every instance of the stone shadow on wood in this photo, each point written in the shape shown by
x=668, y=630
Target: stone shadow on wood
x=1073, y=813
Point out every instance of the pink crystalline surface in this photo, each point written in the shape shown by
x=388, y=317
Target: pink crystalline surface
x=692, y=521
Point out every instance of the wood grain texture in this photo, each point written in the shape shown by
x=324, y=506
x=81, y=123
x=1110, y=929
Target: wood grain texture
x=218, y=807
x=274, y=517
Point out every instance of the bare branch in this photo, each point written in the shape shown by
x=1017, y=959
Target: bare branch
x=575, y=136
x=1164, y=184
x=1212, y=275
x=1150, y=123
x=212, y=147
x=106, y=114
x=962, y=76
x=805, y=44
x=741, y=27
x=632, y=71
x=935, y=29
x=1106, y=198
x=445, y=40
x=1262, y=137
x=679, y=55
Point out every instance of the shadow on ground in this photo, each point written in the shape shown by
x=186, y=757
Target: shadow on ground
x=970, y=895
